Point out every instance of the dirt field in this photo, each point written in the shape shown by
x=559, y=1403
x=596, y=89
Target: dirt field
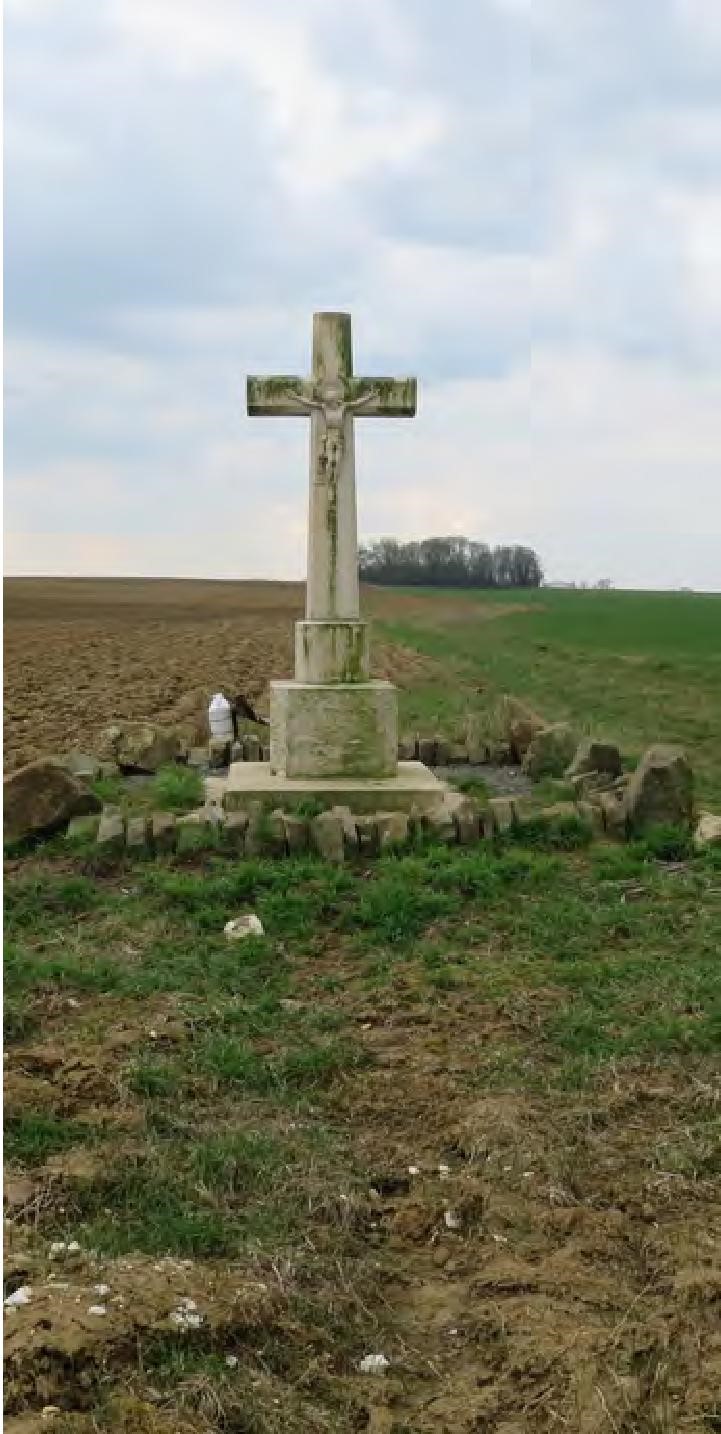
x=80, y=653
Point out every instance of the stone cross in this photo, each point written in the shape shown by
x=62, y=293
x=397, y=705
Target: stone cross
x=332, y=397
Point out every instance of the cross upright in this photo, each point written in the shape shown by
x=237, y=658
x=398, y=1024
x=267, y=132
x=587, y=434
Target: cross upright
x=332, y=397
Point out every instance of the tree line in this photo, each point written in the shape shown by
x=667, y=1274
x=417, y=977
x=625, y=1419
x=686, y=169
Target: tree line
x=450, y=563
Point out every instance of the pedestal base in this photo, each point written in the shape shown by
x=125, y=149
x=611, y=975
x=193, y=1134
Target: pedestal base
x=333, y=730
x=331, y=652
x=412, y=786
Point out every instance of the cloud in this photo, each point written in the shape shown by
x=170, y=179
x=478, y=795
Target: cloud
x=523, y=207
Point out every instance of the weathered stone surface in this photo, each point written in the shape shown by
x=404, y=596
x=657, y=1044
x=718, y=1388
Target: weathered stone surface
x=439, y=825
x=593, y=756
x=550, y=751
x=198, y=757
x=209, y=815
x=457, y=754
x=443, y=751
x=297, y=833
x=500, y=754
x=708, y=831
x=81, y=764
x=234, y=829
x=218, y=753
x=136, y=836
x=251, y=748
x=237, y=752
x=111, y=832
x=332, y=651
x=142, y=746
x=350, y=831
x=660, y=790
x=265, y=834
x=41, y=798
x=83, y=829
x=427, y=751
x=588, y=784
x=502, y=813
x=613, y=812
x=392, y=829
x=162, y=831
x=518, y=724
x=368, y=840
x=327, y=836
x=468, y=823
x=327, y=730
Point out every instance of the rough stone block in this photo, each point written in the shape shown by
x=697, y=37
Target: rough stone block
x=457, y=754
x=234, y=829
x=594, y=756
x=550, y=751
x=468, y=823
x=218, y=752
x=350, y=831
x=502, y=814
x=251, y=748
x=327, y=836
x=443, y=751
x=440, y=826
x=708, y=831
x=163, y=831
x=82, y=765
x=367, y=828
x=517, y=724
x=42, y=797
x=237, y=752
x=392, y=828
x=660, y=790
x=198, y=757
x=111, y=832
x=136, y=835
x=613, y=812
x=83, y=829
x=297, y=834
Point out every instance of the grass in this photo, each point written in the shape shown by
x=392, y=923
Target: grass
x=637, y=667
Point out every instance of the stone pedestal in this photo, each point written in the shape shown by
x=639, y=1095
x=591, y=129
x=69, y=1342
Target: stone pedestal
x=333, y=730
x=331, y=651
x=413, y=787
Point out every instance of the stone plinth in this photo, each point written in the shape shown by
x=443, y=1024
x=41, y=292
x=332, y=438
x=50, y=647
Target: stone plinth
x=333, y=730
x=413, y=786
x=331, y=651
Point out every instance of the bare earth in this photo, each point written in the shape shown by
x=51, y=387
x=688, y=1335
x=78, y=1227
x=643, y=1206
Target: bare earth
x=80, y=653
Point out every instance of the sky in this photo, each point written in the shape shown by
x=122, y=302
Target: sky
x=519, y=201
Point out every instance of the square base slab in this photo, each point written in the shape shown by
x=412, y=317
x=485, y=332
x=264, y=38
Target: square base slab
x=413, y=786
x=333, y=729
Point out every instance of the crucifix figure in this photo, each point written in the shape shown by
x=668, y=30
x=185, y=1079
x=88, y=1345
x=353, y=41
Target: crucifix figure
x=332, y=397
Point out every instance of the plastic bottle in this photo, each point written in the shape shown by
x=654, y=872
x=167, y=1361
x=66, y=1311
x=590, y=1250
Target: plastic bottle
x=220, y=717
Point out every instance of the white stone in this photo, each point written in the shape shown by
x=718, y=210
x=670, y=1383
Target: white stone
x=241, y=926
x=373, y=1364
x=20, y=1296
x=708, y=831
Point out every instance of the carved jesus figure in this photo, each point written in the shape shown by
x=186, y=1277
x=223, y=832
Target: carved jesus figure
x=333, y=407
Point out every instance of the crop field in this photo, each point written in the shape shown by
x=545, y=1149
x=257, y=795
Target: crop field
x=458, y=1107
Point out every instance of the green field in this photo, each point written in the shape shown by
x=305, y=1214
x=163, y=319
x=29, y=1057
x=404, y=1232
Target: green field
x=457, y=1106
x=640, y=667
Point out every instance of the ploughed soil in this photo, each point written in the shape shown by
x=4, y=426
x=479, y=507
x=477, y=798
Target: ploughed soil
x=82, y=652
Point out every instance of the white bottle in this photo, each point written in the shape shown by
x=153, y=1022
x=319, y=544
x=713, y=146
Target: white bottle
x=220, y=717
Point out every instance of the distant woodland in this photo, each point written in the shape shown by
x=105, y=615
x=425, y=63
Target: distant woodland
x=449, y=563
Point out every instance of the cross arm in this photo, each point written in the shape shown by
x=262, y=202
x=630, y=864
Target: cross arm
x=387, y=397
x=281, y=395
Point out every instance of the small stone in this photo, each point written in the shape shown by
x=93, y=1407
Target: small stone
x=265, y=752
x=457, y=754
x=407, y=749
x=232, y=1361
x=613, y=812
x=41, y=798
x=439, y=824
x=163, y=831
x=502, y=813
x=218, y=752
x=83, y=829
x=350, y=831
x=368, y=839
x=97, y=1310
x=137, y=834
x=550, y=751
x=427, y=751
x=443, y=751
x=327, y=837
x=21, y=1296
x=452, y=1220
x=142, y=746
x=297, y=835
x=708, y=831
x=376, y=1364
x=81, y=764
x=660, y=790
x=111, y=832
x=237, y=752
x=234, y=829
x=468, y=823
x=198, y=758
x=251, y=748
x=594, y=756
x=241, y=926
x=392, y=829
x=101, y=1290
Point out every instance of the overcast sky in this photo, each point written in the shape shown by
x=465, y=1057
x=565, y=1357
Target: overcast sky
x=518, y=200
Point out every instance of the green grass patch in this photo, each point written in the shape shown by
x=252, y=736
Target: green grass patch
x=177, y=789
